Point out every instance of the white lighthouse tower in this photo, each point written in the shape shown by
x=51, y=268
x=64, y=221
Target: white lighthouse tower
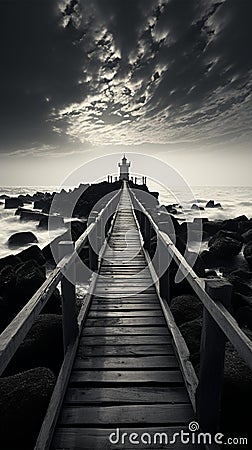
x=124, y=169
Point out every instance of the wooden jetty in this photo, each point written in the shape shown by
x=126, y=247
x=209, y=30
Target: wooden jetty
x=126, y=364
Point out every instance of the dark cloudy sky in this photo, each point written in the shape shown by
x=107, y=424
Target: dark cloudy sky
x=81, y=78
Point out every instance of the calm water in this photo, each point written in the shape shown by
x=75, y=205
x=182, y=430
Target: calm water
x=234, y=200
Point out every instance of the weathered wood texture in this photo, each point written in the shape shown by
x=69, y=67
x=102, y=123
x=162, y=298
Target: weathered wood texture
x=125, y=371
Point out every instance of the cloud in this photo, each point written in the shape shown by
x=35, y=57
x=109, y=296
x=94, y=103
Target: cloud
x=98, y=72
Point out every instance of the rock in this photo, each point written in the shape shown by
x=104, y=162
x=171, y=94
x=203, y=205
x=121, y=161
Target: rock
x=239, y=284
x=243, y=315
x=225, y=247
x=212, y=227
x=77, y=228
x=7, y=282
x=197, y=207
x=4, y=314
x=13, y=203
x=34, y=253
x=171, y=209
x=237, y=392
x=24, y=399
x=243, y=274
x=54, y=221
x=244, y=226
x=210, y=204
x=186, y=308
x=43, y=346
x=191, y=332
x=197, y=263
x=29, y=278
x=4, y=196
x=44, y=204
x=223, y=233
x=31, y=215
x=22, y=238
x=10, y=260
x=247, y=236
x=247, y=252
x=209, y=259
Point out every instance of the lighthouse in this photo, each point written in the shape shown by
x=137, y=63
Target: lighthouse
x=124, y=169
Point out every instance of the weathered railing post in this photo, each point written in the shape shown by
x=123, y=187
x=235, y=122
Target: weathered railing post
x=93, y=255
x=164, y=263
x=147, y=233
x=68, y=290
x=212, y=358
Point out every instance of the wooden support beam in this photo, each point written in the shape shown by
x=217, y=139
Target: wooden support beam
x=212, y=357
x=69, y=314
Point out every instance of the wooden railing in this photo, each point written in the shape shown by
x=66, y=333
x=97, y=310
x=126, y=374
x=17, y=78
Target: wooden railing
x=218, y=322
x=16, y=331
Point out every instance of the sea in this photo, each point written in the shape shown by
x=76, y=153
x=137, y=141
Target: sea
x=235, y=201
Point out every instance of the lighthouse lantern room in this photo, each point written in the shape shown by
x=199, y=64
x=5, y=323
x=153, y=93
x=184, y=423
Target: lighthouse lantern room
x=124, y=168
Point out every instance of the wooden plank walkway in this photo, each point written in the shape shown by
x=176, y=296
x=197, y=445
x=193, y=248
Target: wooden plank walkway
x=125, y=374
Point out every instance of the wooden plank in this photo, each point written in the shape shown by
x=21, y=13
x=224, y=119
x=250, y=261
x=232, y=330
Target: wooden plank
x=125, y=321
x=124, y=314
x=125, y=362
x=123, y=330
x=125, y=395
x=125, y=340
x=126, y=376
x=98, y=438
x=130, y=414
x=125, y=350
x=124, y=307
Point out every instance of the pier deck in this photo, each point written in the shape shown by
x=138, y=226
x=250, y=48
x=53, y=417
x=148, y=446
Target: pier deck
x=125, y=374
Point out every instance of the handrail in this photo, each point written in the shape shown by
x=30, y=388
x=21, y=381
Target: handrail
x=217, y=310
x=16, y=331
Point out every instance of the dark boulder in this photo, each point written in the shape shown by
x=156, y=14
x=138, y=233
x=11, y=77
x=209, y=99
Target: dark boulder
x=247, y=252
x=212, y=227
x=171, y=209
x=26, y=215
x=239, y=283
x=236, y=395
x=43, y=204
x=7, y=282
x=54, y=222
x=197, y=263
x=22, y=238
x=247, y=236
x=34, y=253
x=191, y=332
x=24, y=399
x=244, y=226
x=77, y=228
x=43, y=346
x=10, y=260
x=186, y=308
x=225, y=247
x=29, y=278
x=243, y=315
x=210, y=204
x=225, y=233
x=197, y=207
x=13, y=203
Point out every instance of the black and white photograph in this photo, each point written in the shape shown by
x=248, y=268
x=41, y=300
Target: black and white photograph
x=125, y=224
